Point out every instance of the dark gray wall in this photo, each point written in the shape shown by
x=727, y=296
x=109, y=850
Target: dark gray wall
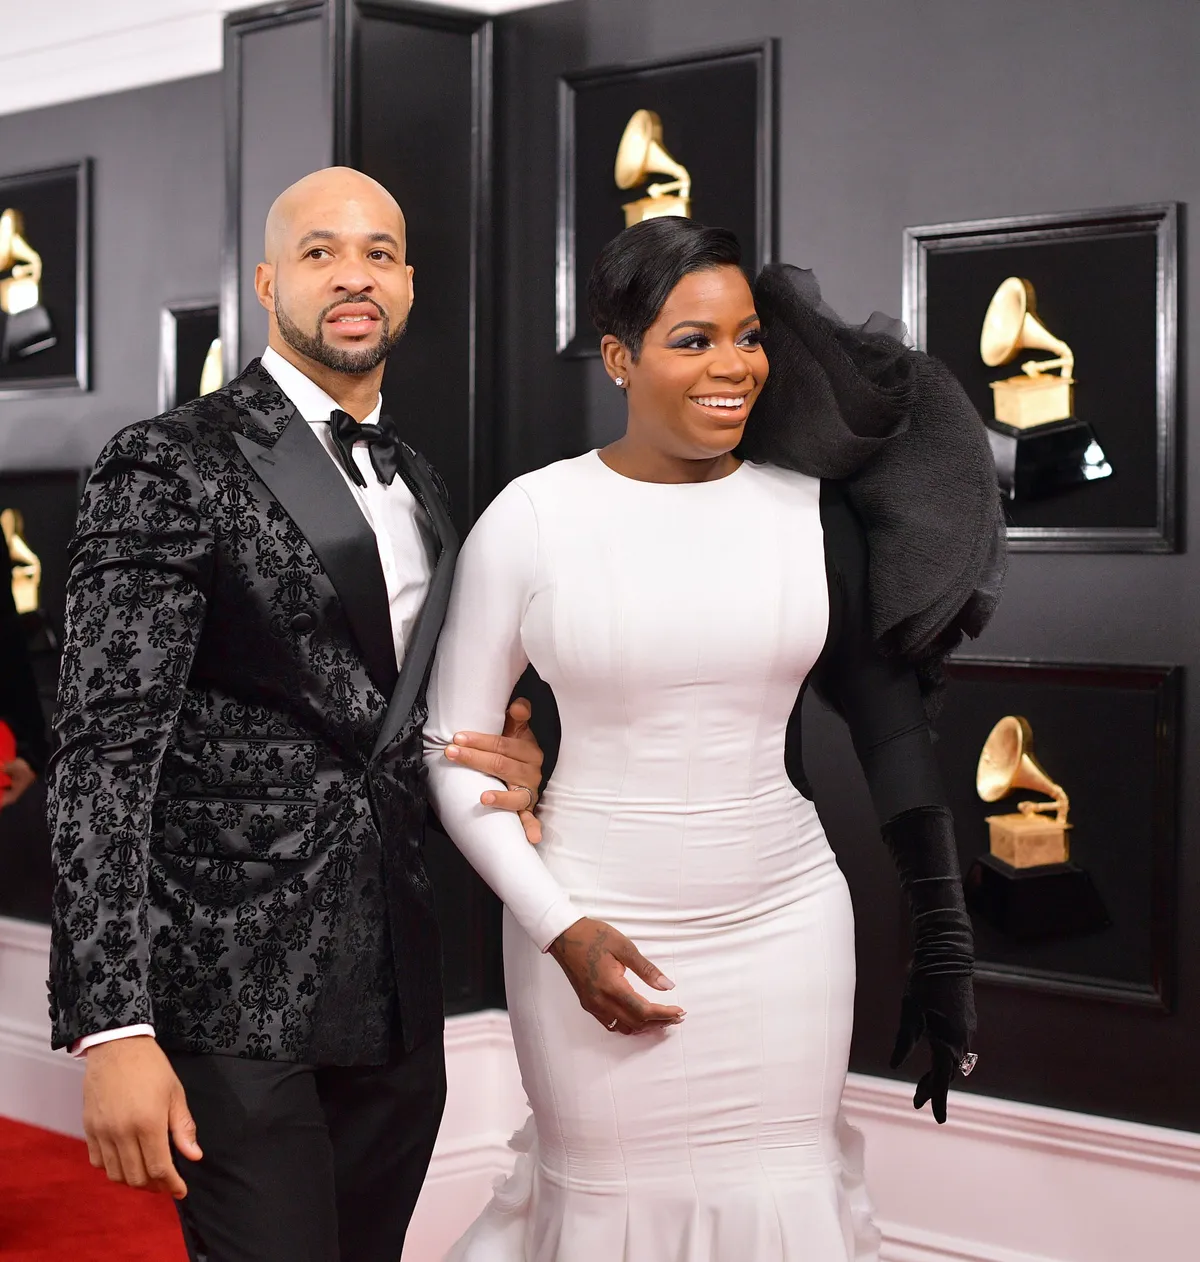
x=895, y=113
x=158, y=177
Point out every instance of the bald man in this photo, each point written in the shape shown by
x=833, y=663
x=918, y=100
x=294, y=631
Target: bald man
x=245, y=947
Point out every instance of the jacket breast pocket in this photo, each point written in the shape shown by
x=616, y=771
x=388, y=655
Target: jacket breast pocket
x=249, y=770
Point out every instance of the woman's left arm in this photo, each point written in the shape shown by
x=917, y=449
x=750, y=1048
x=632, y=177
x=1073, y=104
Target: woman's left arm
x=880, y=699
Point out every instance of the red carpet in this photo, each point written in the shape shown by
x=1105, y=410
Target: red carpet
x=53, y=1205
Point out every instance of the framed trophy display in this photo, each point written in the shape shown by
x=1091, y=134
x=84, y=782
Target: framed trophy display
x=44, y=280
x=1063, y=330
x=1062, y=780
x=694, y=136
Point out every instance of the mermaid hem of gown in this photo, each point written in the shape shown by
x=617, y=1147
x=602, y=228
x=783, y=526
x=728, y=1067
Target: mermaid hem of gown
x=511, y=1228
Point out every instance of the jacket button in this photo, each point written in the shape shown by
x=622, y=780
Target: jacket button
x=303, y=622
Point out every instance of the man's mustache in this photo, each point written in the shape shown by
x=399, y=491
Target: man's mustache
x=355, y=301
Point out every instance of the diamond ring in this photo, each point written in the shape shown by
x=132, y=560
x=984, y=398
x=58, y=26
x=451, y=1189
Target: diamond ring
x=968, y=1062
x=612, y=1025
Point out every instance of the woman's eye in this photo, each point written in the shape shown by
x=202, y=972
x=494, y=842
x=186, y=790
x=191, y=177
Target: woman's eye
x=694, y=342
x=753, y=337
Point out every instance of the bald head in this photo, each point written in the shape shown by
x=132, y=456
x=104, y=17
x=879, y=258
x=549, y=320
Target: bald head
x=329, y=190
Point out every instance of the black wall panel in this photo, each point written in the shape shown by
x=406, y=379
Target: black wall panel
x=279, y=127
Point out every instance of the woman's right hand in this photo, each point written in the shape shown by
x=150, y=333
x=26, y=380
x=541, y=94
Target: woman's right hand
x=594, y=957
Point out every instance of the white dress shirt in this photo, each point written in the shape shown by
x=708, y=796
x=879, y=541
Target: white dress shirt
x=403, y=535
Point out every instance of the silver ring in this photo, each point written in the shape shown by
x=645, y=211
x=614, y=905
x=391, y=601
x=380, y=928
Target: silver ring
x=532, y=799
x=968, y=1063
x=612, y=1025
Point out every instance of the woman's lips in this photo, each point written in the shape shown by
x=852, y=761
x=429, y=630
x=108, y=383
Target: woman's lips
x=724, y=407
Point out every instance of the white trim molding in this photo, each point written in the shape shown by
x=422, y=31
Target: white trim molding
x=85, y=48
x=1009, y=1182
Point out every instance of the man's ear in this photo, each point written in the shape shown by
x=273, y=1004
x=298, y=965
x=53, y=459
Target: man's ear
x=264, y=285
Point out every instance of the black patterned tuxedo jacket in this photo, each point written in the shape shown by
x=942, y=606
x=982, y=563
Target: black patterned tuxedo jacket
x=235, y=805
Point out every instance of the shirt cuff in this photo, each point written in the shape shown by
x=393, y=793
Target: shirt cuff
x=79, y=1047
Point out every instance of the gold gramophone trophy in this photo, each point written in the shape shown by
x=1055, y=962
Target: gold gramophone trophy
x=1027, y=839
x=1027, y=886
x=212, y=375
x=27, y=326
x=1039, y=444
x=26, y=568
x=641, y=153
x=26, y=584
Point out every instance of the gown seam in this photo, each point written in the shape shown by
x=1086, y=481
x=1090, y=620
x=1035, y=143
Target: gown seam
x=687, y=1089
x=606, y=1046
x=762, y=1054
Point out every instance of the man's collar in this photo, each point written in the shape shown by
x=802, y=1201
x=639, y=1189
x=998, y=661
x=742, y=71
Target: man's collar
x=309, y=399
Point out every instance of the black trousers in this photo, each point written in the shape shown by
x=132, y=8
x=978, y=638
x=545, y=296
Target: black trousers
x=304, y=1163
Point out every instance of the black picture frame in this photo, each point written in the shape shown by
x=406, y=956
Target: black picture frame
x=1106, y=283
x=1109, y=734
x=186, y=331
x=56, y=206
x=719, y=119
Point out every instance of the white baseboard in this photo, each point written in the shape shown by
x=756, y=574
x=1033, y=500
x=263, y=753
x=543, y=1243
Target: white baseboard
x=36, y=1085
x=1000, y=1182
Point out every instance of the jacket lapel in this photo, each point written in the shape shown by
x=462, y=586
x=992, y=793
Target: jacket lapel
x=418, y=654
x=299, y=473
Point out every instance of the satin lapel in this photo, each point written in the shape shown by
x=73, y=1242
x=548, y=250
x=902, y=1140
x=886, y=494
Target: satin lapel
x=418, y=654
x=302, y=477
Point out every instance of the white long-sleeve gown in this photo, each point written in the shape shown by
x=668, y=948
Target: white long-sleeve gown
x=675, y=624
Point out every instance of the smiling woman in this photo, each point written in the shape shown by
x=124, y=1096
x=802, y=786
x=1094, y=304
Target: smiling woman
x=679, y=600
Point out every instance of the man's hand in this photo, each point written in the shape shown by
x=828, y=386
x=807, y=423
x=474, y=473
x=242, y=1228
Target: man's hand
x=514, y=757
x=594, y=957
x=133, y=1104
x=21, y=775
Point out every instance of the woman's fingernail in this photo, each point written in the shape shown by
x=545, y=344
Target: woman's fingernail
x=460, y=738
x=451, y=751
x=488, y=799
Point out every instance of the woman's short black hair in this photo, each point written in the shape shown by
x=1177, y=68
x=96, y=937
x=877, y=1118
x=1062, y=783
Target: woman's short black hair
x=636, y=271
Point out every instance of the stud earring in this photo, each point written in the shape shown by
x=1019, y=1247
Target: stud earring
x=619, y=380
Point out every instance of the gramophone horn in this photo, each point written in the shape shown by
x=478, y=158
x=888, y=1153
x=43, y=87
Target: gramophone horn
x=1011, y=324
x=1007, y=763
x=641, y=152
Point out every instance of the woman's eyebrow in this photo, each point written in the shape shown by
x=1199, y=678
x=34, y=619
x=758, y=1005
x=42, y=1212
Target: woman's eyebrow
x=707, y=325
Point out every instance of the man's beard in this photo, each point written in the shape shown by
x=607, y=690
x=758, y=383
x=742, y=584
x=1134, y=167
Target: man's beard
x=316, y=348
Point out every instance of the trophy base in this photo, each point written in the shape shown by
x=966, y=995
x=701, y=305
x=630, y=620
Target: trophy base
x=1033, y=463
x=26, y=333
x=1028, y=841
x=1058, y=900
x=656, y=208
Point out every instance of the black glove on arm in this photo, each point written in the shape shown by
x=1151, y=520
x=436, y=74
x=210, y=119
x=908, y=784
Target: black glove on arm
x=939, y=1000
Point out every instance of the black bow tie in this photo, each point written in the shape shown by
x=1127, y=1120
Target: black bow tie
x=383, y=445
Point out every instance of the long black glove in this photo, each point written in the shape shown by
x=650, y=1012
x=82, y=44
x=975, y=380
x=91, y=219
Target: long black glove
x=939, y=1000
